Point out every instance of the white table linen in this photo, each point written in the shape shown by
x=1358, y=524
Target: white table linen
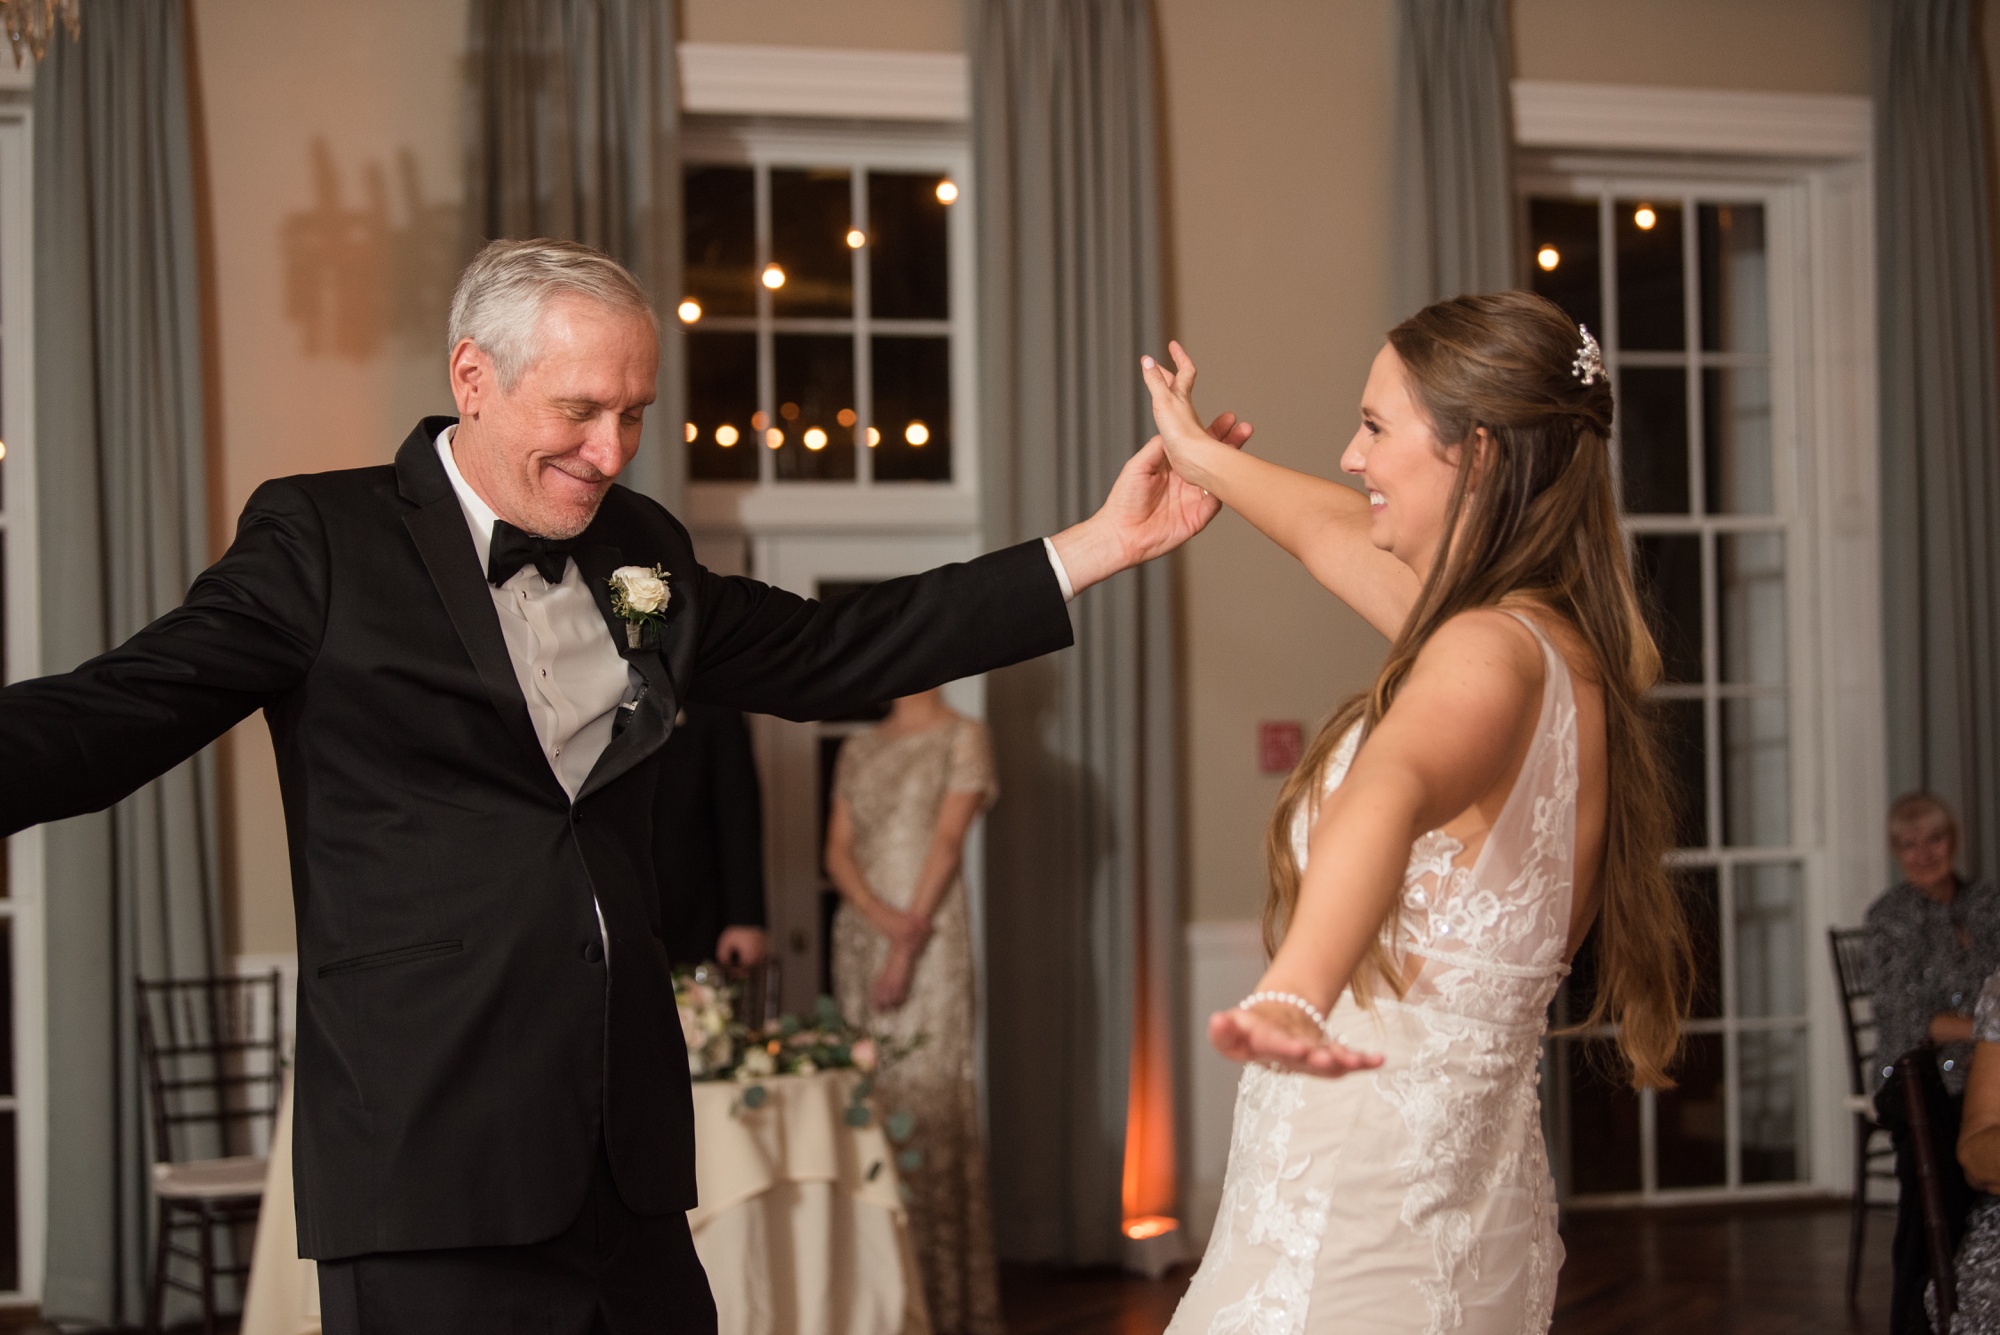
x=801, y=1225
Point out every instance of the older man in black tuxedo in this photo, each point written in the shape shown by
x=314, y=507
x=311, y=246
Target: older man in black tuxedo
x=494, y=1121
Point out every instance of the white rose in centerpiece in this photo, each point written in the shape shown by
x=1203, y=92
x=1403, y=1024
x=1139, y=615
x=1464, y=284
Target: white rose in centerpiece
x=643, y=589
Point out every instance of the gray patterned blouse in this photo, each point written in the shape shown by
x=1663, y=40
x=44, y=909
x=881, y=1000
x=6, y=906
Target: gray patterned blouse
x=1924, y=959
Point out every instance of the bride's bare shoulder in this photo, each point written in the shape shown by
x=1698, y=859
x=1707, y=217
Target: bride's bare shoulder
x=1486, y=639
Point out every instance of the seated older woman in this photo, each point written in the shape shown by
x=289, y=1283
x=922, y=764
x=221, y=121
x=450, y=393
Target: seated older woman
x=1933, y=937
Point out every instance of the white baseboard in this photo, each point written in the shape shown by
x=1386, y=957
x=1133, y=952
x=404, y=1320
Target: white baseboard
x=1225, y=960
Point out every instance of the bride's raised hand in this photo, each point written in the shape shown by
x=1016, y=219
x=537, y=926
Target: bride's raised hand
x=1280, y=1036
x=1180, y=426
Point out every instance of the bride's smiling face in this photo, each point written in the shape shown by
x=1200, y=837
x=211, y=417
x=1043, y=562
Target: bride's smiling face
x=1408, y=474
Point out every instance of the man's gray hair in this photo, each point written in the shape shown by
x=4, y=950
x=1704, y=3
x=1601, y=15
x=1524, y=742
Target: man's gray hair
x=503, y=292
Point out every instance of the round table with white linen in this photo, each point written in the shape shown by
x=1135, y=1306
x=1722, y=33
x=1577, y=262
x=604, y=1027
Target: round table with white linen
x=801, y=1224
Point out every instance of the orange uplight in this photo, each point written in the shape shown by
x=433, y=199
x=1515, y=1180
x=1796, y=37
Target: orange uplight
x=1150, y=1226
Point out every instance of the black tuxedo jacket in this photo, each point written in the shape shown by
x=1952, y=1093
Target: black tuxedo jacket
x=708, y=833
x=464, y=1044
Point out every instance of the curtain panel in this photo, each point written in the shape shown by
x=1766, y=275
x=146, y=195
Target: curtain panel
x=1940, y=468
x=124, y=530
x=572, y=128
x=1083, y=858
x=1454, y=202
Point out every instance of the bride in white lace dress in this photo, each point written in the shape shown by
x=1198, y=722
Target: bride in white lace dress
x=1445, y=845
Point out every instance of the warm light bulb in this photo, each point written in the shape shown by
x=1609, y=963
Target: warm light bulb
x=789, y=411
x=946, y=191
x=725, y=435
x=774, y=438
x=1150, y=1226
x=1643, y=217
x=845, y=417
x=874, y=437
x=815, y=438
x=856, y=238
x=759, y=420
x=690, y=311
x=774, y=277
x=916, y=433
x=3, y=449
x=693, y=433
x=1548, y=257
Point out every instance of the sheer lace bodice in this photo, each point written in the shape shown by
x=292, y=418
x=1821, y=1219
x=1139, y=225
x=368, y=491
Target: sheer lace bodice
x=1490, y=923
x=1416, y=1197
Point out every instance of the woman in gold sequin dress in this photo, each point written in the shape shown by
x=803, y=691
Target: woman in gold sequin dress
x=904, y=796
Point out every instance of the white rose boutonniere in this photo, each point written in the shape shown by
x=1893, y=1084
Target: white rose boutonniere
x=639, y=594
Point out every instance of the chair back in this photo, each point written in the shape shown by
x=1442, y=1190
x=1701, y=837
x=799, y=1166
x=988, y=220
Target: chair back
x=214, y=1067
x=1857, y=1015
x=1944, y=1200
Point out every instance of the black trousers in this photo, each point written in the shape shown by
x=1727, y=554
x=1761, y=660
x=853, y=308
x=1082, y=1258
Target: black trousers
x=612, y=1272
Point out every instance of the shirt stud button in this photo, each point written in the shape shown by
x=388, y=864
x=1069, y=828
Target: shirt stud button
x=592, y=953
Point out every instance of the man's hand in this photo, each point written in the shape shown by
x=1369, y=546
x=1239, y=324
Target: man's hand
x=1151, y=510
x=742, y=947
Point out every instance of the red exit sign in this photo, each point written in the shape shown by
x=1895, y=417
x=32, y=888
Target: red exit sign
x=1279, y=745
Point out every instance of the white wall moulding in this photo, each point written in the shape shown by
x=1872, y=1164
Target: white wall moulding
x=1689, y=120
x=735, y=80
x=1225, y=960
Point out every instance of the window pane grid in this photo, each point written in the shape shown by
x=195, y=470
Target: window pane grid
x=812, y=286
x=1693, y=452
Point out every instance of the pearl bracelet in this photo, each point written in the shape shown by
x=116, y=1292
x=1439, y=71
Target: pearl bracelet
x=1285, y=999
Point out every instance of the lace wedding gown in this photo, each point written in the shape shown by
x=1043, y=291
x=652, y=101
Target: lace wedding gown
x=1416, y=1197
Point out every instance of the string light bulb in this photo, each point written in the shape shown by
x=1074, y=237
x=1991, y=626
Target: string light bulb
x=815, y=438
x=1548, y=257
x=856, y=238
x=1643, y=217
x=917, y=433
x=693, y=433
x=774, y=277
x=947, y=191
x=725, y=435
x=689, y=311
x=774, y=438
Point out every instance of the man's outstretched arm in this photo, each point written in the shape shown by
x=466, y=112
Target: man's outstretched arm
x=773, y=652
x=247, y=632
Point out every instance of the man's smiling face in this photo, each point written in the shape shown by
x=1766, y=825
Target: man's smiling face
x=544, y=452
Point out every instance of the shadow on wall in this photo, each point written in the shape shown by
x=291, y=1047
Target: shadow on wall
x=1056, y=1121
x=354, y=276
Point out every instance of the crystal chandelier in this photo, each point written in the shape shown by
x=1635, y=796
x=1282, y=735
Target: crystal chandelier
x=31, y=23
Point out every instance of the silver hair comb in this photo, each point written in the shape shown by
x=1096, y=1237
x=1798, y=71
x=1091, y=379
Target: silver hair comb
x=1589, y=364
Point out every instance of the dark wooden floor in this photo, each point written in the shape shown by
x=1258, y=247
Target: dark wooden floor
x=1775, y=1269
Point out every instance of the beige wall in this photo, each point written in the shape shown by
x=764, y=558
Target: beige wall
x=1775, y=46
x=1276, y=138
x=332, y=155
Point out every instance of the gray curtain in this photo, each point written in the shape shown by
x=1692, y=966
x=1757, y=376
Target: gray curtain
x=571, y=132
x=1940, y=469
x=1083, y=908
x=1454, y=203
x=124, y=530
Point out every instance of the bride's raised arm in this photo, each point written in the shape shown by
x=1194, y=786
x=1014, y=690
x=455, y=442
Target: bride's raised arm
x=1321, y=522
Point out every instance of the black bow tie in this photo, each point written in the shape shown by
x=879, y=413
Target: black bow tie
x=511, y=549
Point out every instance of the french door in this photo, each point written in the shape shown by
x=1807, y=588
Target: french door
x=1684, y=282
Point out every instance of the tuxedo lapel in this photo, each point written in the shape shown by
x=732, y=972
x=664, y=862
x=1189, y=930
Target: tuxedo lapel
x=652, y=717
x=438, y=527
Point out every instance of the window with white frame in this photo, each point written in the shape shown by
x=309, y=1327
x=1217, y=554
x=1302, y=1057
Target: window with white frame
x=828, y=323
x=825, y=310
x=22, y=1113
x=1675, y=278
x=818, y=315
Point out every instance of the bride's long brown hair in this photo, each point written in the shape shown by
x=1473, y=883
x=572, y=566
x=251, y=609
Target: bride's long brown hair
x=1540, y=525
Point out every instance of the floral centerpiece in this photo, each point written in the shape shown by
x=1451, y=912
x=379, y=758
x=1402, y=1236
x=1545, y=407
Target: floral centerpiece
x=722, y=1048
